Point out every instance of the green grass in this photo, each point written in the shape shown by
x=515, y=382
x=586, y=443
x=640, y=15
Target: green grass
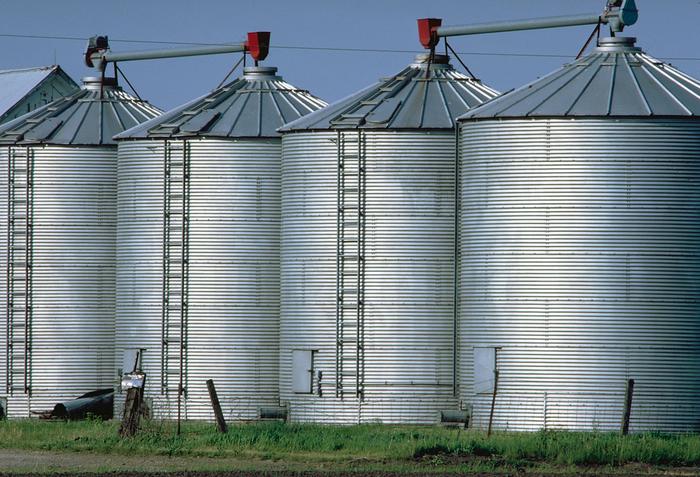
x=398, y=445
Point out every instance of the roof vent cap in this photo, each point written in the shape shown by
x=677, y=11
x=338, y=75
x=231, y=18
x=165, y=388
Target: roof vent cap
x=93, y=83
x=617, y=44
x=438, y=62
x=260, y=73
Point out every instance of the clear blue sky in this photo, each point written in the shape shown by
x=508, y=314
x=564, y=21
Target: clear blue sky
x=666, y=29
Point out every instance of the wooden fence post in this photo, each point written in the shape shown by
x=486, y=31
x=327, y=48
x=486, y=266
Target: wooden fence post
x=220, y=421
x=133, y=408
x=493, y=402
x=629, y=392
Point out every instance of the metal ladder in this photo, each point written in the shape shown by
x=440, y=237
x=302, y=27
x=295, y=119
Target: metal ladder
x=350, y=265
x=176, y=204
x=20, y=227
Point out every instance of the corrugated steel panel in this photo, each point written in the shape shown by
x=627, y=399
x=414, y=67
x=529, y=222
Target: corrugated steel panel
x=579, y=261
x=408, y=330
x=88, y=117
x=233, y=320
x=72, y=329
x=617, y=79
x=412, y=99
x=71, y=190
x=254, y=105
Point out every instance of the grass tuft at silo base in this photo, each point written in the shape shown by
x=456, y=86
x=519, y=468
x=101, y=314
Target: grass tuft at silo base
x=362, y=448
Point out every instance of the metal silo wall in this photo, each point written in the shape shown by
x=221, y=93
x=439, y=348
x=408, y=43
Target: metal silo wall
x=233, y=315
x=74, y=221
x=579, y=260
x=409, y=275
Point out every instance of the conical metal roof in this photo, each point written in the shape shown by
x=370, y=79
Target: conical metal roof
x=91, y=116
x=415, y=98
x=616, y=79
x=254, y=105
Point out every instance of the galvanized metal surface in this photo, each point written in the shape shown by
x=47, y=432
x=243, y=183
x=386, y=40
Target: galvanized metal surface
x=254, y=105
x=411, y=99
x=579, y=262
x=65, y=345
x=408, y=292
x=73, y=266
x=89, y=117
x=23, y=90
x=617, y=79
x=233, y=319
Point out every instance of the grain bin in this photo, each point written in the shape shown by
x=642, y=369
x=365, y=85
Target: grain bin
x=367, y=318
x=579, y=227
x=198, y=246
x=57, y=243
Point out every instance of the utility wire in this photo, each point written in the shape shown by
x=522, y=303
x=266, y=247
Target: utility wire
x=318, y=48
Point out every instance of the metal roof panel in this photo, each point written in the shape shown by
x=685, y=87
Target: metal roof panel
x=91, y=116
x=254, y=105
x=424, y=95
x=616, y=79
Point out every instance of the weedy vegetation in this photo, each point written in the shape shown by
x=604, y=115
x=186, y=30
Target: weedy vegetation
x=414, y=445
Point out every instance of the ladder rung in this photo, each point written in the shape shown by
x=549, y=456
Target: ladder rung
x=172, y=390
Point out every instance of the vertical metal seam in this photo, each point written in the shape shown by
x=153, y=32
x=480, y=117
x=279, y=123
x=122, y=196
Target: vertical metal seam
x=29, y=254
x=455, y=272
x=339, y=266
x=165, y=257
x=8, y=285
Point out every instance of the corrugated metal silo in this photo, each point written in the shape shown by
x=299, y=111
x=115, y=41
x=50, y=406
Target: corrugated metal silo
x=580, y=240
x=57, y=242
x=224, y=255
x=368, y=325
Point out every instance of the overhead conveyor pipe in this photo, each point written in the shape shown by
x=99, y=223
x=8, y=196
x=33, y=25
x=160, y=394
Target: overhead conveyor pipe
x=617, y=14
x=98, y=54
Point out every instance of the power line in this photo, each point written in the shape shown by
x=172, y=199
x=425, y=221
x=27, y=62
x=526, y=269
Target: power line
x=318, y=48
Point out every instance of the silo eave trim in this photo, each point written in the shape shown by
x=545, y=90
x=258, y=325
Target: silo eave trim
x=576, y=117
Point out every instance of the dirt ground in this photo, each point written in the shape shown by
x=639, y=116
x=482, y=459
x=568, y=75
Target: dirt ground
x=33, y=463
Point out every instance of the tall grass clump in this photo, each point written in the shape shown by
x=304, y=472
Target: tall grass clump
x=307, y=442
